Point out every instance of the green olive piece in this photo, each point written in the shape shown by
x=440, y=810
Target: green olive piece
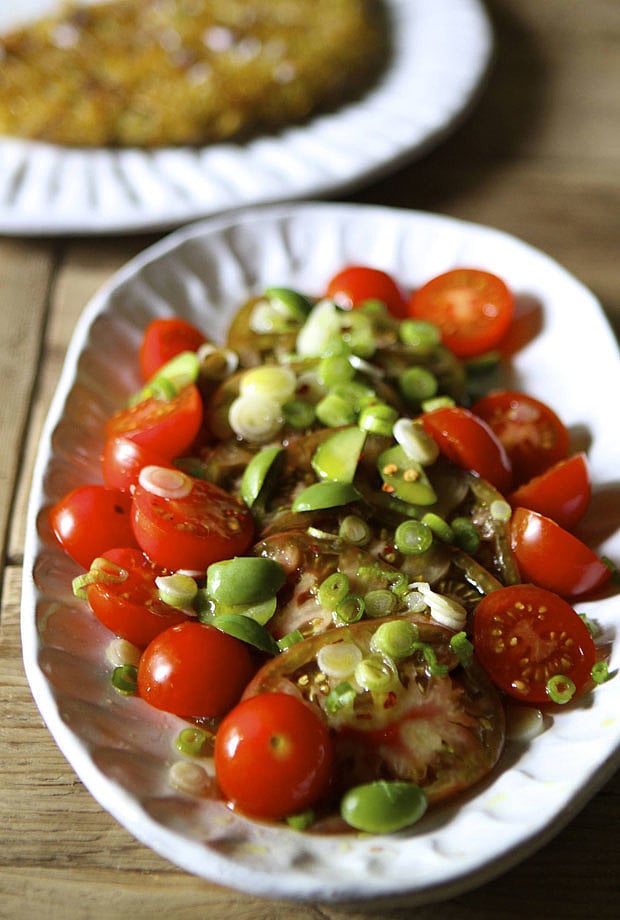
x=405, y=477
x=256, y=473
x=383, y=807
x=337, y=457
x=326, y=494
x=289, y=303
x=244, y=580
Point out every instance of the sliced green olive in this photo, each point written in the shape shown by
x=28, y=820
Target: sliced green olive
x=244, y=580
x=257, y=473
x=288, y=302
x=383, y=807
x=405, y=477
x=337, y=457
x=326, y=494
x=261, y=612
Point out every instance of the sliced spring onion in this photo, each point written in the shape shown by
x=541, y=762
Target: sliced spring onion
x=335, y=369
x=120, y=652
x=462, y=647
x=437, y=402
x=350, y=609
x=290, y=639
x=321, y=328
x=600, y=672
x=340, y=697
x=379, y=603
x=500, y=511
x=302, y=821
x=444, y=610
x=354, y=530
x=413, y=538
x=396, y=639
x=415, y=441
x=299, y=414
x=255, y=417
x=217, y=363
x=273, y=381
x=339, y=659
x=560, y=689
x=378, y=418
x=177, y=590
x=165, y=482
x=439, y=527
x=333, y=590
x=376, y=673
x=421, y=336
x=430, y=657
x=334, y=411
x=417, y=384
x=190, y=778
x=191, y=741
x=125, y=679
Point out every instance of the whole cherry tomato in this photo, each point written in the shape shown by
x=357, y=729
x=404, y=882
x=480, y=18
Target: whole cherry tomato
x=525, y=635
x=358, y=283
x=561, y=493
x=468, y=442
x=532, y=434
x=554, y=558
x=164, y=339
x=472, y=308
x=194, y=670
x=167, y=427
x=283, y=745
x=90, y=519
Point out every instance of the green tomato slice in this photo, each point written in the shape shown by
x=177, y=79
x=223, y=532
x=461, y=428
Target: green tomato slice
x=337, y=457
x=256, y=474
x=405, y=478
x=326, y=494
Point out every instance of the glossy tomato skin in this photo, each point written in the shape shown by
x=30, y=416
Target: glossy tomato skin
x=553, y=558
x=468, y=442
x=561, y=493
x=90, y=519
x=524, y=635
x=164, y=339
x=283, y=745
x=533, y=436
x=191, y=532
x=472, y=308
x=194, y=670
x=354, y=284
x=122, y=460
x=165, y=427
x=132, y=608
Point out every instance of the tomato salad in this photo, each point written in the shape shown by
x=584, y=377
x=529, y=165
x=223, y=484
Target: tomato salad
x=328, y=557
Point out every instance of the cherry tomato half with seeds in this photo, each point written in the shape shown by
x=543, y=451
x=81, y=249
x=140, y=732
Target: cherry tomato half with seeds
x=524, y=635
x=533, y=435
x=283, y=745
x=190, y=532
x=122, y=460
x=358, y=283
x=472, y=308
x=194, y=670
x=90, y=519
x=131, y=608
x=165, y=427
x=554, y=558
x=469, y=442
x=561, y=493
x=164, y=339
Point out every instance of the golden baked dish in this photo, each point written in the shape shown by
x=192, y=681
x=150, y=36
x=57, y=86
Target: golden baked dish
x=152, y=73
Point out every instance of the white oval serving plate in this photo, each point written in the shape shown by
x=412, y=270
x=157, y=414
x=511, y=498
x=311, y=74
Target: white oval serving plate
x=121, y=748
x=441, y=54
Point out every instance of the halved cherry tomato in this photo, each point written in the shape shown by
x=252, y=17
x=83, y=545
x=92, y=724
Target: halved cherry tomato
x=273, y=756
x=164, y=339
x=524, y=635
x=554, y=558
x=194, y=670
x=472, y=308
x=561, y=493
x=131, y=608
x=532, y=434
x=191, y=532
x=357, y=283
x=468, y=442
x=122, y=460
x=90, y=519
x=166, y=427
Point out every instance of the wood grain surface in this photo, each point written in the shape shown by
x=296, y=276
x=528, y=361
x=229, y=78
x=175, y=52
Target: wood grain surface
x=539, y=157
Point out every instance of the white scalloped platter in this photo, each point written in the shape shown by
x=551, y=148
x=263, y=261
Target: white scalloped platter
x=440, y=56
x=122, y=749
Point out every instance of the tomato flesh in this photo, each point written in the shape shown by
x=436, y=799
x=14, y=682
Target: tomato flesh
x=533, y=435
x=122, y=460
x=191, y=532
x=472, y=308
x=164, y=339
x=358, y=283
x=554, y=558
x=524, y=635
x=90, y=519
x=165, y=427
x=561, y=493
x=283, y=745
x=194, y=670
x=468, y=442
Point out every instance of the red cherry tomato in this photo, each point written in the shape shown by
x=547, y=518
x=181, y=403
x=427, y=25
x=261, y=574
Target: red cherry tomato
x=194, y=670
x=468, y=442
x=561, y=493
x=191, y=532
x=91, y=519
x=132, y=608
x=357, y=283
x=472, y=308
x=524, y=635
x=164, y=339
x=166, y=427
x=283, y=745
x=122, y=460
x=532, y=434
x=552, y=557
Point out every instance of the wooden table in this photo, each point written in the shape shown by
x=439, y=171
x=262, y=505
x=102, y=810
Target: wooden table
x=538, y=157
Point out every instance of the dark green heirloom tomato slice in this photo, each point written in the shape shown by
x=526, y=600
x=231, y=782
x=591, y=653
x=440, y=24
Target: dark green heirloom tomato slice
x=443, y=731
